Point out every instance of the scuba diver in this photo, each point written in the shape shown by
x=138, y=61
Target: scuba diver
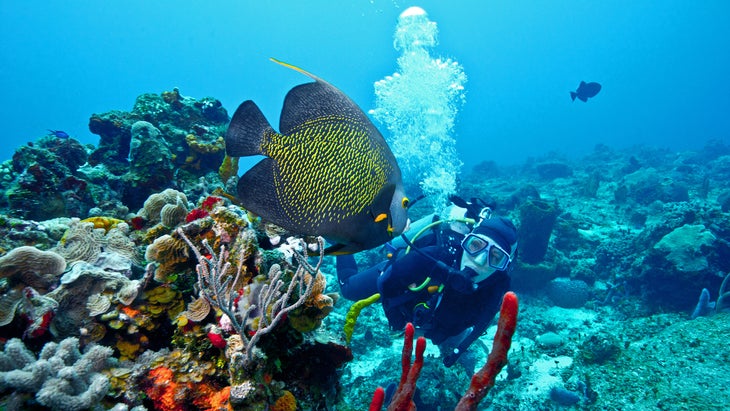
x=448, y=279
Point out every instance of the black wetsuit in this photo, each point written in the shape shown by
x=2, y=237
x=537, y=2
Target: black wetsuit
x=440, y=315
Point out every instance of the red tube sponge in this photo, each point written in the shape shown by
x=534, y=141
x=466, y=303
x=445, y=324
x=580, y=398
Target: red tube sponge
x=483, y=380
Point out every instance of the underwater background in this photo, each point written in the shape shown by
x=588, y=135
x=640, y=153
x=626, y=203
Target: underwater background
x=132, y=278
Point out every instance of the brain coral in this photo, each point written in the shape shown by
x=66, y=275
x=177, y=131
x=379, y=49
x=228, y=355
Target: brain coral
x=82, y=242
x=167, y=252
x=32, y=267
x=173, y=214
x=154, y=203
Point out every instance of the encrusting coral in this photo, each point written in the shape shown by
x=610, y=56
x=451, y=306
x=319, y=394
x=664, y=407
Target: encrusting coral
x=197, y=146
x=107, y=223
x=286, y=402
x=228, y=168
x=77, y=289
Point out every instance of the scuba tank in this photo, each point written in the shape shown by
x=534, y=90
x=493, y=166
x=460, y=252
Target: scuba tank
x=413, y=228
x=454, y=218
x=460, y=217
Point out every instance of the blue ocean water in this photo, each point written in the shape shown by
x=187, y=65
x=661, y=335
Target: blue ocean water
x=662, y=65
x=614, y=248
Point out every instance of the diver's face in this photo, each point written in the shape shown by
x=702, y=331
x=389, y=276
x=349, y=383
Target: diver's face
x=483, y=255
x=483, y=270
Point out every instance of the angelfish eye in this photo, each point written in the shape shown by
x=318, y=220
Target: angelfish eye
x=405, y=202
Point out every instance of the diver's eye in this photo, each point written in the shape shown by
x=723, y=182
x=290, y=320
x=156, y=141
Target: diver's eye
x=405, y=202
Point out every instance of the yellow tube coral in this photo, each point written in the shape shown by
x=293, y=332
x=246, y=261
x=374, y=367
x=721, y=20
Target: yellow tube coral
x=228, y=168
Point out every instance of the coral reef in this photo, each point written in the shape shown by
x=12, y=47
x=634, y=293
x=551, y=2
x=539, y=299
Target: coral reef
x=608, y=280
x=150, y=168
x=42, y=181
x=32, y=267
x=62, y=377
x=163, y=134
x=316, y=306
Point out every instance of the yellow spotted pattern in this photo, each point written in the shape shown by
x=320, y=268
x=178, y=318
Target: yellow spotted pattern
x=328, y=169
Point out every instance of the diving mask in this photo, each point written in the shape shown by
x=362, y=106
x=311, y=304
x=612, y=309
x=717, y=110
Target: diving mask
x=485, y=251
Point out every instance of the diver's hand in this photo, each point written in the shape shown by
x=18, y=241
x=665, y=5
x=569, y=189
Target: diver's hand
x=451, y=358
x=461, y=282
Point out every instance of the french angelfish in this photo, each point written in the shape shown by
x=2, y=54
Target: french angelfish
x=327, y=172
x=585, y=91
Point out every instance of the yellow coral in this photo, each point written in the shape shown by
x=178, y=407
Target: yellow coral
x=154, y=232
x=161, y=295
x=162, y=299
x=354, y=312
x=128, y=350
x=315, y=308
x=107, y=223
x=205, y=148
x=230, y=222
x=286, y=402
x=172, y=98
x=228, y=168
x=168, y=252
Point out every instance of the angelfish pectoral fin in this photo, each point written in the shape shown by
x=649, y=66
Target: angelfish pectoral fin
x=380, y=217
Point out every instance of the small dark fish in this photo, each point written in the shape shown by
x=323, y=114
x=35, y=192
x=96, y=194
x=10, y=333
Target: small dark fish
x=59, y=133
x=585, y=91
x=327, y=172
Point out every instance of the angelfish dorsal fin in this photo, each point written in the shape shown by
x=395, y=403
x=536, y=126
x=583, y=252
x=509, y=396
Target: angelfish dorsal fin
x=314, y=100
